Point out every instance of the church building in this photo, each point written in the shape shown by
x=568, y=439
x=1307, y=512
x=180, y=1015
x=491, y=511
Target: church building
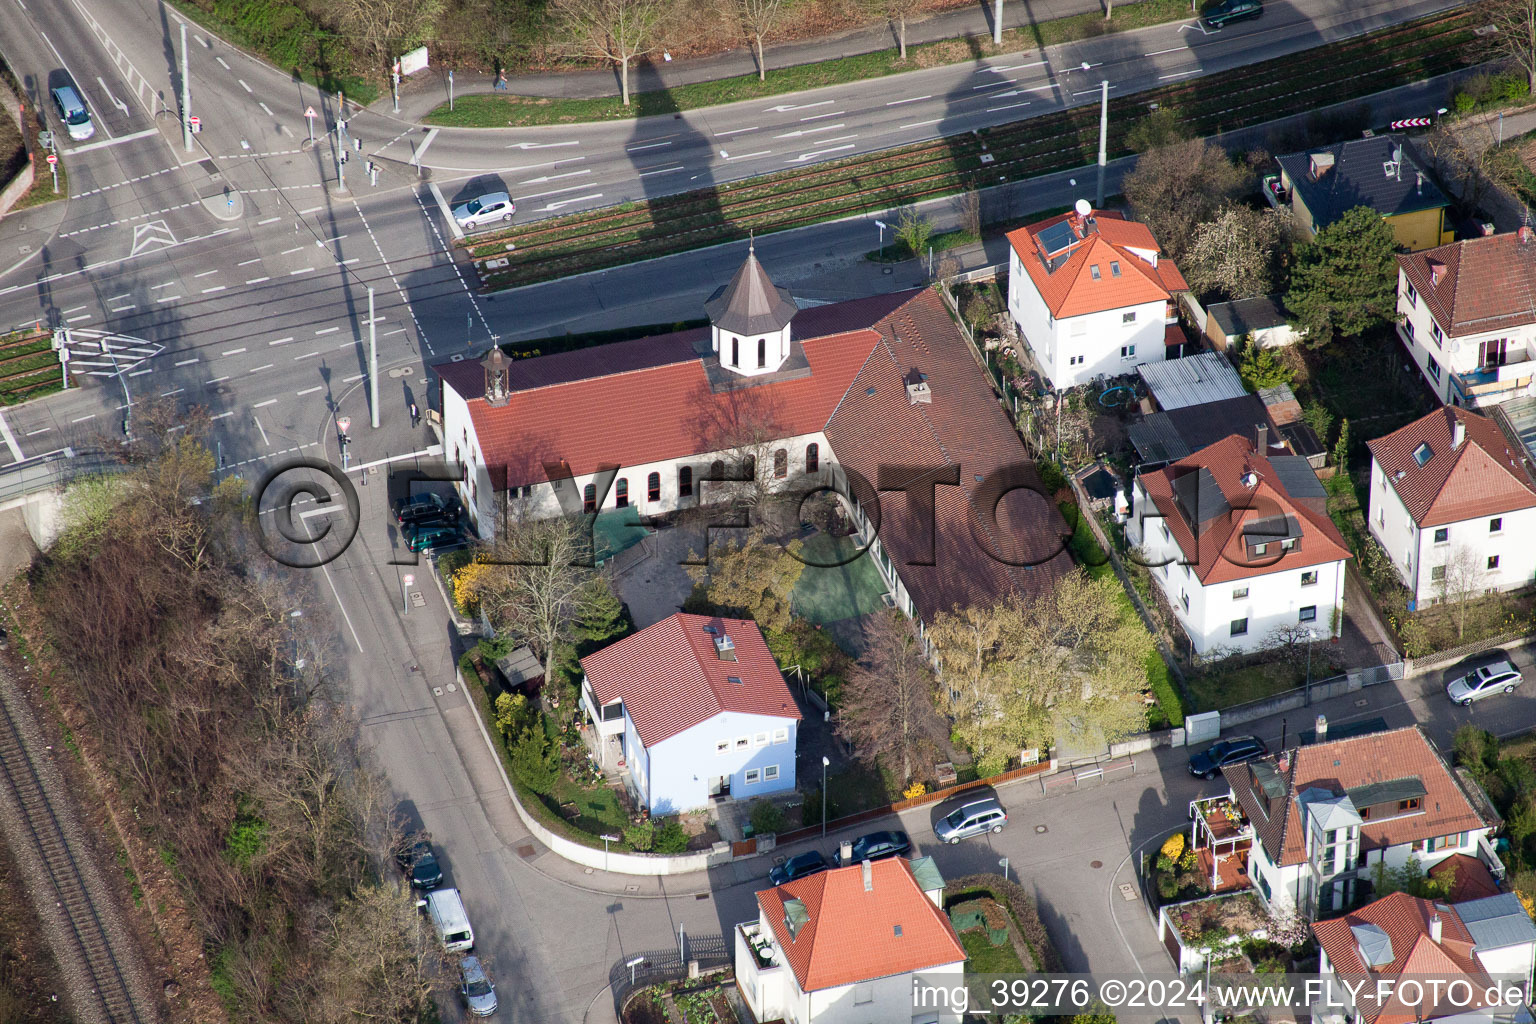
x=881, y=399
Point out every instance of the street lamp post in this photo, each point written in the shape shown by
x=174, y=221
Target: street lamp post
x=825, y=764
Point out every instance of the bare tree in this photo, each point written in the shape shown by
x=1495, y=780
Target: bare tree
x=888, y=699
x=1515, y=39
x=1178, y=186
x=616, y=30
x=755, y=578
x=898, y=11
x=1239, y=253
x=1462, y=578
x=758, y=18
x=388, y=27
x=968, y=205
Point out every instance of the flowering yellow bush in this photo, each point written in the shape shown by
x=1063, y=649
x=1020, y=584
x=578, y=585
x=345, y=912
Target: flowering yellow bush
x=1173, y=848
x=466, y=583
x=1527, y=901
x=914, y=791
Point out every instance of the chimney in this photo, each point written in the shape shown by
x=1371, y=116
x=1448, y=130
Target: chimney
x=1458, y=434
x=1435, y=928
x=1261, y=430
x=1321, y=727
x=1419, y=185
x=868, y=869
x=1284, y=764
x=845, y=852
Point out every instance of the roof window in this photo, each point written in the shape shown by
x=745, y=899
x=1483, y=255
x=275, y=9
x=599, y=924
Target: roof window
x=1114, y=268
x=1423, y=453
x=1094, y=270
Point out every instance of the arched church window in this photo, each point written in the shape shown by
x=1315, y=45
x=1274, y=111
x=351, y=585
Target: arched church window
x=780, y=464
x=812, y=457
x=735, y=351
x=621, y=493
x=685, y=481
x=589, y=498
x=653, y=487
x=762, y=352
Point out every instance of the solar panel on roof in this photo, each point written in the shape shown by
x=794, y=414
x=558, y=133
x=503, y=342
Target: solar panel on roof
x=1057, y=237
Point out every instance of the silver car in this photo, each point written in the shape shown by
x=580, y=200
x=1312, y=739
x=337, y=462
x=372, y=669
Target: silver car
x=475, y=987
x=485, y=210
x=1497, y=677
x=971, y=819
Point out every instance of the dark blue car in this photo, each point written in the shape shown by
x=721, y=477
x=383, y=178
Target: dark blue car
x=876, y=846
x=1209, y=762
x=798, y=867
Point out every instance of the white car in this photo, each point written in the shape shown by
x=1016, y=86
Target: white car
x=485, y=210
x=1498, y=677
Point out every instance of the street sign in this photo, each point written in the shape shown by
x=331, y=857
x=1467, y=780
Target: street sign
x=344, y=424
x=408, y=579
x=882, y=225
x=53, y=158
x=196, y=123
x=309, y=112
x=1412, y=122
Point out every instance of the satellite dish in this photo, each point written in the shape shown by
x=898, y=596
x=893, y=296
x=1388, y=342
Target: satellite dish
x=1083, y=207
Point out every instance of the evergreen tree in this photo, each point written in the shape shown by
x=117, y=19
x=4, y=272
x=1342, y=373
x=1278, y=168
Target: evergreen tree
x=1345, y=279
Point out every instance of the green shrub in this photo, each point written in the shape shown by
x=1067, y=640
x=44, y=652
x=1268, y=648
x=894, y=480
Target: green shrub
x=671, y=837
x=1476, y=750
x=992, y=764
x=493, y=649
x=1051, y=476
x=810, y=809
x=767, y=818
x=535, y=761
x=641, y=836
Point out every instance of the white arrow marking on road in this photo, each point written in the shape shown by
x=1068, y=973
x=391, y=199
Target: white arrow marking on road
x=556, y=177
x=1197, y=25
x=540, y=145
x=156, y=232
x=810, y=131
x=568, y=202
x=786, y=107
x=119, y=104
x=820, y=152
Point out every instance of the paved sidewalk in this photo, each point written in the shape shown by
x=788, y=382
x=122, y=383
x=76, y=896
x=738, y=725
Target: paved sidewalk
x=428, y=89
x=23, y=233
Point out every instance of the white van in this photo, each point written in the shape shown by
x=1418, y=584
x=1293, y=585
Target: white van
x=448, y=918
x=71, y=110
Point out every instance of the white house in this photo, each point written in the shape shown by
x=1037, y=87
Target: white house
x=1323, y=817
x=1400, y=936
x=843, y=947
x=865, y=397
x=1468, y=317
x=1091, y=295
x=1240, y=544
x=696, y=709
x=1454, y=505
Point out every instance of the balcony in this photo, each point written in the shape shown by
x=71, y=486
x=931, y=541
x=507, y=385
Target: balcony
x=765, y=957
x=1490, y=385
x=1490, y=858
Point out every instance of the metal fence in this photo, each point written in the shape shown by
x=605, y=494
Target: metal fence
x=655, y=967
x=55, y=469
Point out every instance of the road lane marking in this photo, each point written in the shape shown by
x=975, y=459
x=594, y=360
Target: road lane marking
x=290, y=252
x=306, y=270
x=263, y=405
x=811, y=131
x=919, y=124
x=10, y=439
x=217, y=380
x=746, y=156
x=349, y=380
x=1155, y=53
x=222, y=415
x=115, y=298
x=995, y=85
x=310, y=391
x=348, y=263
x=556, y=192
x=186, y=362
x=269, y=220
x=76, y=309
x=39, y=430
x=312, y=209
x=146, y=133
x=215, y=288
x=556, y=177
x=140, y=373
x=268, y=109
x=416, y=156
x=910, y=99
x=306, y=355
x=442, y=204
x=328, y=330
x=205, y=273
x=246, y=263
x=262, y=429
x=168, y=298
x=82, y=419
x=121, y=309
x=661, y=170
x=73, y=319
x=173, y=391
x=1010, y=106
x=648, y=145
x=243, y=85
x=223, y=65
x=165, y=284
x=734, y=131
x=232, y=352
x=258, y=280
x=1176, y=74
x=281, y=341
x=258, y=369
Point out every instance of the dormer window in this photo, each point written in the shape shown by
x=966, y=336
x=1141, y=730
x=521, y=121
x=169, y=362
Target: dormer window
x=1094, y=271
x=1423, y=453
x=1114, y=268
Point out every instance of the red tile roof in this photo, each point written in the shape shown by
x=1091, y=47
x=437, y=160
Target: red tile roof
x=1217, y=549
x=1472, y=879
x=1487, y=284
x=670, y=677
x=1341, y=765
x=1067, y=283
x=1483, y=477
x=1406, y=921
x=850, y=935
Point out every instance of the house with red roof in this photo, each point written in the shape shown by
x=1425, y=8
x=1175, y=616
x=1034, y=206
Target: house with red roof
x=1238, y=539
x=843, y=946
x=1467, y=314
x=695, y=709
x=1453, y=503
x=1091, y=295
x=1377, y=961
x=1324, y=818
x=864, y=398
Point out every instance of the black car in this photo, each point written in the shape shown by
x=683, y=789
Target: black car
x=421, y=509
x=798, y=867
x=1236, y=750
x=420, y=864
x=876, y=846
x=1224, y=12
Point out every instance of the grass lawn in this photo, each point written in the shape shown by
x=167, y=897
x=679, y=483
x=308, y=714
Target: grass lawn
x=598, y=806
x=836, y=592
x=854, y=789
x=986, y=958
x=897, y=251
x=1214, y=690
x=499, y=111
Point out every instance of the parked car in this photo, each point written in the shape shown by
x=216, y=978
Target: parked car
x=1209, y=762
x=485, y=210
x=1224, y=12
x=71, y=111
x=449, y=920
x=971, y=819
x=419, y=862
x=1496, y=677
x=876, y=846
x=798, y=867
x=476, y=988
x=426, y=508
x=432, y=535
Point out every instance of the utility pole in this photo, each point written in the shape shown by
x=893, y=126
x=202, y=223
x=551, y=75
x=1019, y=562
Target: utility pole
x=186, y=94
x=997, y=22
x=1103, y=140
x=373, y=362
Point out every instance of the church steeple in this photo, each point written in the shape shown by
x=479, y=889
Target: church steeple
x=495, y=366
x=749, y=318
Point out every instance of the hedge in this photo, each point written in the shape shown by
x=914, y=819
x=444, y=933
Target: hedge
x=1019, y=903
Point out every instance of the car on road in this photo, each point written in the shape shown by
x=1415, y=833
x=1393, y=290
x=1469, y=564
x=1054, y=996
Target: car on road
x=420, y=509
x=475, y=988
x=1495, y=677
x=876, y=846
x=1224, y=12
x=449, y=920
x=1209, y=762
x=419, y=862
x=483, y=211
x=71, y=111
x=432, y=535
x=798, y=866
x=971, y=819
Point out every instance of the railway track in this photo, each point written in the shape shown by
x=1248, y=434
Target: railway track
x=110, y=992
x=1006, y=152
